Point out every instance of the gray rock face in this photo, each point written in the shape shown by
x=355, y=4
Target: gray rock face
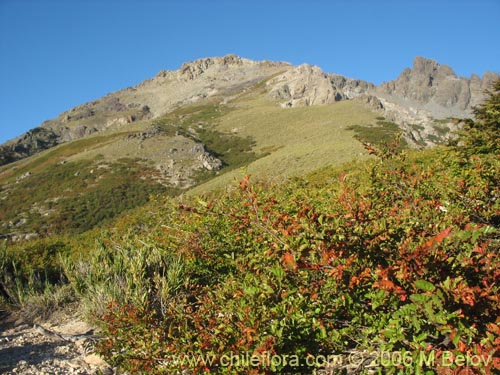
x=209, y=162
x=427, y=95
x=437, y=89
x=308, y=85
x=192, y=70
x=30, y=143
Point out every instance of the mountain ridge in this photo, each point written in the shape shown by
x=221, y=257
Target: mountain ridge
x=196, y=128
x=420, y=94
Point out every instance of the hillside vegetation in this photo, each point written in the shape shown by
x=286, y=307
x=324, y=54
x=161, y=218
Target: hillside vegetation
x=82, y=184
x=388, y=265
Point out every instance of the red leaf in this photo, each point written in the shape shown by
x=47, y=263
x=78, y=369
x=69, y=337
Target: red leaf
x=385, y=285
x=289, y=260
x=441, y=236
x=244, y=182
x=438, y=238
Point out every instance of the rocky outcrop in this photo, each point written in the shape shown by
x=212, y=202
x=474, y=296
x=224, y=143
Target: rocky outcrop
x=303, y=86
x=228, y=68
x=424, y=99
x=178, y=161
x=194, y=69
x=209, y=162
x=28, y=144
x=152, y=132
x=348, y=87
x=308, y=85
x=436, y=89
x=419, y=127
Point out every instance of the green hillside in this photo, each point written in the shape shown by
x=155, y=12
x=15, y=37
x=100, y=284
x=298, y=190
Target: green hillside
x=341, y=245
x=295, y=140
x=63, y=188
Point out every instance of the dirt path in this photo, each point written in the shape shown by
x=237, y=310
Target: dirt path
x=60, y=348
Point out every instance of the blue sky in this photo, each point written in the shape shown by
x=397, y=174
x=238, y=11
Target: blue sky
x=56, y=54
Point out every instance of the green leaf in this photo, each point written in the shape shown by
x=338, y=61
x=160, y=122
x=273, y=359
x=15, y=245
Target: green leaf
x=420, y=337
x=424, y=285
x=321, y=219
x=419, y=298
x=202, y=203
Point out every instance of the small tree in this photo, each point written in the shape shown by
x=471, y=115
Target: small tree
x=482, y=135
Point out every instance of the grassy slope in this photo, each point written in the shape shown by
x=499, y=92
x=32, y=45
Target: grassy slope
x=53, y=156
x=286, y=142
x=298, y=140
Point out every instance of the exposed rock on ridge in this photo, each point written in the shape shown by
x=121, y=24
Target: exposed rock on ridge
x=418, y=97
x=437, y=89
x=29, y=143
x=196, y=68
x=308, y=85
x=422, y=101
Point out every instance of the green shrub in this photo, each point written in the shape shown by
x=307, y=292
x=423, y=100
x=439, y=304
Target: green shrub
x=480, y=136
x=77, y=196
x=399, y=261
x=383, y=132
x=32, y=278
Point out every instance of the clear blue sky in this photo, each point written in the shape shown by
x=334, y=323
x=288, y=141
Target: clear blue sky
x=56, y=54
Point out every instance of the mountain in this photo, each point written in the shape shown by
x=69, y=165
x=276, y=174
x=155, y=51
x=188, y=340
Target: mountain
x=428, y=91
x=422, y=97
x=196, y=126
x=195, y=81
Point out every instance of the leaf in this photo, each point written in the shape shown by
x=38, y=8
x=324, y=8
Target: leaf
x=438, y=238
x=419, y=298
x=321, y=219
x=202, y=203
x=441, y=236
x=244, y=182
x=384, y=285
x=420, y=337
x=424, y=285
x=289, y=261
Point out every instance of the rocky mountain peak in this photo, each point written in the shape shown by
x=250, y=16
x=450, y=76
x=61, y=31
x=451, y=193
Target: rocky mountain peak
x=430, y=68
x=422, y=93
x=195, y=68
x=425, y=93
x=436, y=88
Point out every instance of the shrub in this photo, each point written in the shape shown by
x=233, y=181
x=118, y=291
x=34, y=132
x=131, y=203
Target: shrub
x=480, y=136
x=400, y=262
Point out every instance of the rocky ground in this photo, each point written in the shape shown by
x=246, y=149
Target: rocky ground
x=60, y=346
